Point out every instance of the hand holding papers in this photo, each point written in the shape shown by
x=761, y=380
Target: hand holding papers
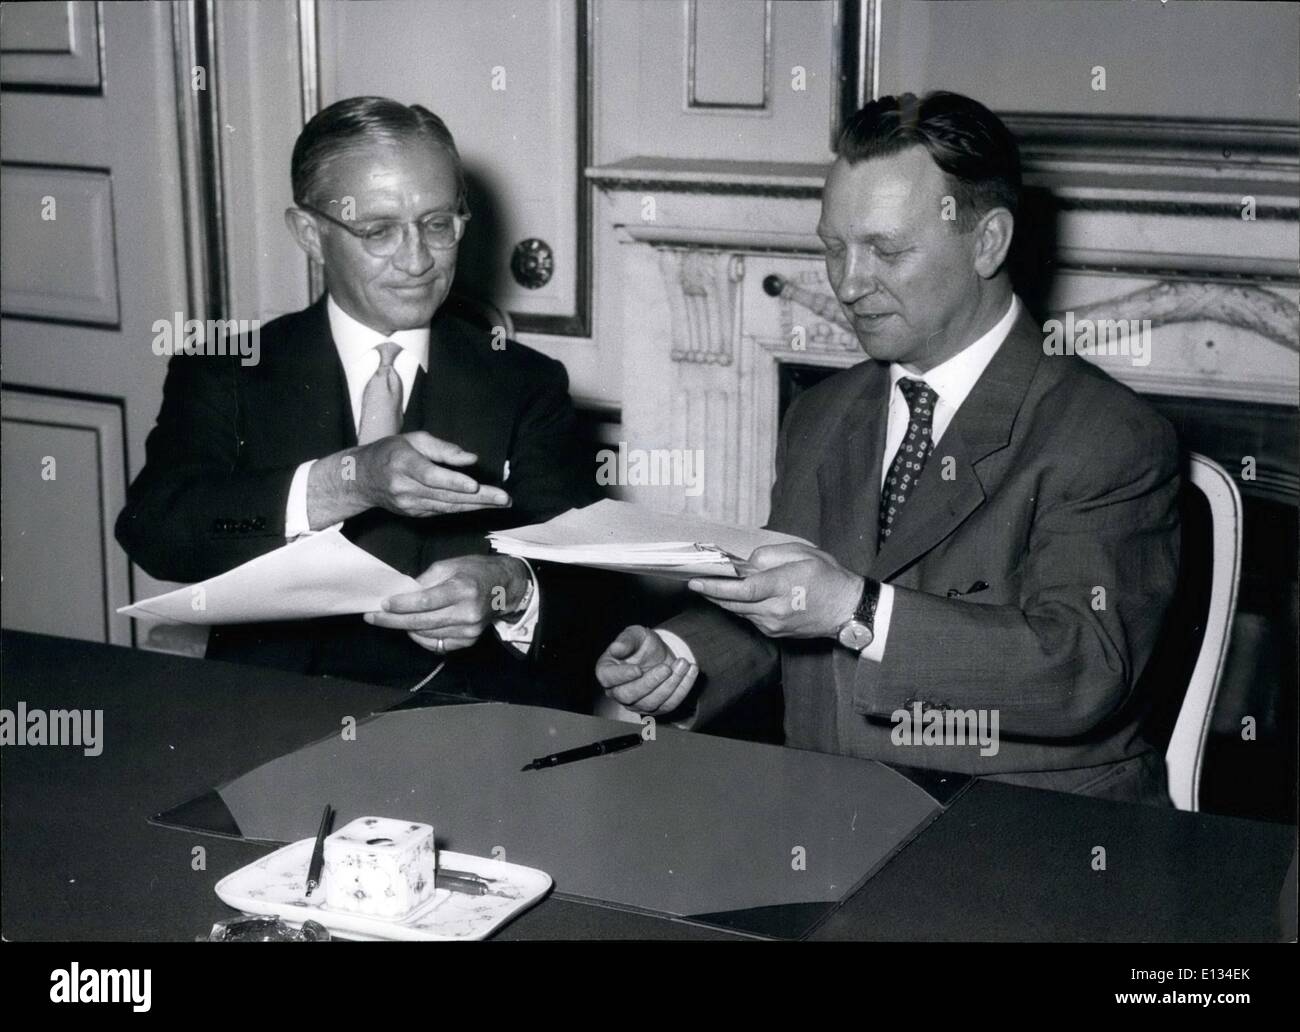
x=324, y=574
x=627, y=538
x=460, y=598
x=791, y=591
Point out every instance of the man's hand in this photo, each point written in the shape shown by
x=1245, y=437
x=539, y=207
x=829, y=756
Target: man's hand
x=459, y=598
x=797, y=591
x=407, y=474
x=639, y=671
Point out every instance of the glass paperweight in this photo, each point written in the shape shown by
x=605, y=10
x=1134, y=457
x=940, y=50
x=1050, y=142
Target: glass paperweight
x=266, y=929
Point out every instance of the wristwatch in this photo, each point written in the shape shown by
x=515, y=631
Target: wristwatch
x=857, y=632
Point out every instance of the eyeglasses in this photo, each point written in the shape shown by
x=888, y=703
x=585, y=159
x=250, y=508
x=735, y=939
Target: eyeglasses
x=439, y=230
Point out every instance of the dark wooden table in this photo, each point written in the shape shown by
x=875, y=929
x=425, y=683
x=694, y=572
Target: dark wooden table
x=80, y=860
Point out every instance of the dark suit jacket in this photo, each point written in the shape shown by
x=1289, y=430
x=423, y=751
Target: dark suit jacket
x=219, y=463
x=1063, y=482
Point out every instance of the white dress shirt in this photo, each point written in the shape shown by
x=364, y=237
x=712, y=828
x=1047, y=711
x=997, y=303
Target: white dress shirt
x=356, y=345
x=952, y=381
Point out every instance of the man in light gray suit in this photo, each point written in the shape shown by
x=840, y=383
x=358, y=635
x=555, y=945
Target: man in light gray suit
x=997, y=526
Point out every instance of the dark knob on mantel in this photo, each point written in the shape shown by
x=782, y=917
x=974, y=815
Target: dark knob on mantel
x=773, y=285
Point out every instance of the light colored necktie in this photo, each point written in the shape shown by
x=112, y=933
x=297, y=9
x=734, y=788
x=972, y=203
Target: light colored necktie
x=381, y=401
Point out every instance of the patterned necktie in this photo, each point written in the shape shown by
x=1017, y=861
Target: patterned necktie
x=905, y=470
x=381, y=402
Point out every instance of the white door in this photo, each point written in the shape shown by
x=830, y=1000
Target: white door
x=92, y=253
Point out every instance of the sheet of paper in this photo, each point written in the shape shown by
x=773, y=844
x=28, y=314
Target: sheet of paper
x=620, y=536
x=323, y=574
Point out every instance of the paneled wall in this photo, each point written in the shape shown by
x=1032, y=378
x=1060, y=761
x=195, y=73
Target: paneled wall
x=94, y=253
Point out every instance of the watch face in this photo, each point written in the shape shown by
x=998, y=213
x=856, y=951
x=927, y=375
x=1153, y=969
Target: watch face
x=855, y=635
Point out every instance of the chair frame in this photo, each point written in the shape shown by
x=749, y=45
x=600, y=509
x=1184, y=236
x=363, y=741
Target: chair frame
x=1185, y=755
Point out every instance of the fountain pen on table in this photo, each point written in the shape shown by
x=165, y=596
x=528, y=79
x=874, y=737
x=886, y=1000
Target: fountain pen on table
x=583, y=752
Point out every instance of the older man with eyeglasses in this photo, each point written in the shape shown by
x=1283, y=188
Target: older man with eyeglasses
x=378, y=409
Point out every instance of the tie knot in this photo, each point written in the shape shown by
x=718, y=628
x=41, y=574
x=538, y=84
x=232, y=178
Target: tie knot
x=388, y=352
x=919, y=395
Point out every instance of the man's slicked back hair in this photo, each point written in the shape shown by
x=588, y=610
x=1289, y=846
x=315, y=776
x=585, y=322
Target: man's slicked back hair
x=356, y=122
x=964, y=138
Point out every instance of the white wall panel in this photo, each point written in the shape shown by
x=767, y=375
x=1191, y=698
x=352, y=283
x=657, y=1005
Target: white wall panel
x=64, y=473
x=50, y=44
x=60, y=257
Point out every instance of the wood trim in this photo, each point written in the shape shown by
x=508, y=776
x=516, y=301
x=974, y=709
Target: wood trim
x=855, y=61
x=1202, y=268
x=198, y=117
x=1266, y=209
x=746, y=240
x=1107, y=139
x=768, y=179
x=208, y=51
x=577, y=323
x=309, y=96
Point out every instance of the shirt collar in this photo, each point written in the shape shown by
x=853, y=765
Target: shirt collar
x=955, y=378
x=355, y=340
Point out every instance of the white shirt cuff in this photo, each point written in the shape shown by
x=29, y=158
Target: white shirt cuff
x=676, y=645
x=296, y=522
x=880, y=625
x=519, y=631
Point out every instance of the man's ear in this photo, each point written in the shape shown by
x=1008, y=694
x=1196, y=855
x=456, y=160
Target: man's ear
x=993, y=241
x=303, y=228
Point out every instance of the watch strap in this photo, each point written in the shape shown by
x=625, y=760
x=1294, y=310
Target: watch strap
x=866, y=611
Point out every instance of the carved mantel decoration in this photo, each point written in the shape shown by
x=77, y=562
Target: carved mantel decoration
x=703, y=293
x=1237, y=306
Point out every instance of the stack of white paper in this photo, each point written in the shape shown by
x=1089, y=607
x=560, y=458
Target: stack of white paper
x=628, y=538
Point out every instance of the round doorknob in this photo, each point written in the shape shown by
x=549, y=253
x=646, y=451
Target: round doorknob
x=532, y=263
